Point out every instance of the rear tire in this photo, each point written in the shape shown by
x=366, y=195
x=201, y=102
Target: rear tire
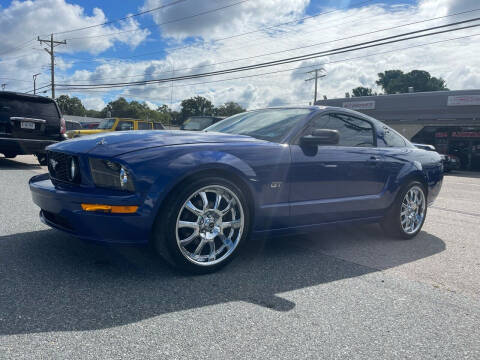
x=202, y=226
x=406, y=216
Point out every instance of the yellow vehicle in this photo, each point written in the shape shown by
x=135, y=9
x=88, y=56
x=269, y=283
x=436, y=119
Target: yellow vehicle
x=117, y=124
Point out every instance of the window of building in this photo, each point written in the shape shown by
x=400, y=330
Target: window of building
x=352, y=131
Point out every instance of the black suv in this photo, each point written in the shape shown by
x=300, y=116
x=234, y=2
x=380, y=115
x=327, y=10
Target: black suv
x=28, y=124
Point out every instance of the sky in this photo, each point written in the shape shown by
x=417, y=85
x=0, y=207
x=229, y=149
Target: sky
x=185, y=37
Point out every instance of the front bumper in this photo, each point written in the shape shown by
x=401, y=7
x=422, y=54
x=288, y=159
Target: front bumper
x=61, y=209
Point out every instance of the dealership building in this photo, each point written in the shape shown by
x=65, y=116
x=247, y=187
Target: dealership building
x=449, y=120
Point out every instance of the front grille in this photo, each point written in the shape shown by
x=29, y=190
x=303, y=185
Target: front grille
x=58, y=166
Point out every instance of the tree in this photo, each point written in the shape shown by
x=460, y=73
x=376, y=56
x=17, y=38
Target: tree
x=71, y=106
x=362, y=91
x=196, y=106
x=396, y=81
x=228, y=109
x=136, y=110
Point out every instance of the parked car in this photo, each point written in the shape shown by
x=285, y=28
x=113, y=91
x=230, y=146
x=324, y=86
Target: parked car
x=117, y=124
x=198, y=196
x=197, y=123
x=90, y=125
x=28, y=124
x=73, y=125
x=450, y=162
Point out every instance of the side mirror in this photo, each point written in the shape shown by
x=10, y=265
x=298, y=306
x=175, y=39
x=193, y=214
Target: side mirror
x=320, y=137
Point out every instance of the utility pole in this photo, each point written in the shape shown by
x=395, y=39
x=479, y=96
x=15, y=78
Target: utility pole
x=35, y=83
x=50, y=51
x=319, y=73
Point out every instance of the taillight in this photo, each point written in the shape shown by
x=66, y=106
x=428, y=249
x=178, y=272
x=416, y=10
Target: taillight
x=63, y=126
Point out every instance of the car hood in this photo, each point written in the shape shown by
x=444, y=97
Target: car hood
x=116, y=143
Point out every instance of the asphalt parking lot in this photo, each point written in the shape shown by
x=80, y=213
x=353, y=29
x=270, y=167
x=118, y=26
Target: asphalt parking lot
x=344, y=293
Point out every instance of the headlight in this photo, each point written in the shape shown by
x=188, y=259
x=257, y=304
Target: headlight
x=110, y=174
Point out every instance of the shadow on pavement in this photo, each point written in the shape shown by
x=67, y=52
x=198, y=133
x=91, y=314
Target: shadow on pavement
x=52, y=282
x=13, y=164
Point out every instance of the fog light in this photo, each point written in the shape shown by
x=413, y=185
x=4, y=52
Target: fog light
x=114, y=209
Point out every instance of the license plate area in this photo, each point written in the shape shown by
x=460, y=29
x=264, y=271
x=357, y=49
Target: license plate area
x=27, y=125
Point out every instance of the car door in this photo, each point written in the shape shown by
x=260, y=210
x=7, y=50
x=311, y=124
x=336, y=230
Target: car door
x=330, y=183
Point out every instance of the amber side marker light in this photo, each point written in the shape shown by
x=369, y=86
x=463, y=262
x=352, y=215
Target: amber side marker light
x=114, y=209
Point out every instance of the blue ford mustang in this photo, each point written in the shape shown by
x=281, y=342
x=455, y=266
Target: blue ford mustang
x=197, y=196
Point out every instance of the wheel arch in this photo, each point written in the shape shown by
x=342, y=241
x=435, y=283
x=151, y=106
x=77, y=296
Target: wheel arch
x=219, y=170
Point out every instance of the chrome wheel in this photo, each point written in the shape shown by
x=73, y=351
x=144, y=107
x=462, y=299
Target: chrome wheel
x=209, y=225
x=413, y=210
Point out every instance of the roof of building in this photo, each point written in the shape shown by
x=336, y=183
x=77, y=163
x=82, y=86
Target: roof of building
x=419, y=106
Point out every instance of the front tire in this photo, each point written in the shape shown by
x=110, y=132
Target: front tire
x=407, y=214
x=202, y=226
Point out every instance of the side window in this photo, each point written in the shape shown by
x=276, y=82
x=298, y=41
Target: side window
x=142, y=125
x=124, y=125
x=353, y=131
x=391, y=138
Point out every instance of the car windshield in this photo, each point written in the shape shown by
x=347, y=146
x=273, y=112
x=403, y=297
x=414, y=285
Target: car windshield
x=269, y=124
x=197, y=123
x=106, y=124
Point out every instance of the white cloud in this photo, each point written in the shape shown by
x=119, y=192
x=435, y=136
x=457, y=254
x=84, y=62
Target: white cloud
x=456, y=61
x=223, y=22
x=93, y=103
x=22, y=21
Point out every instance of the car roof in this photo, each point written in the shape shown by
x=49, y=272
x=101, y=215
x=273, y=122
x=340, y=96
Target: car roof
x=19, y=95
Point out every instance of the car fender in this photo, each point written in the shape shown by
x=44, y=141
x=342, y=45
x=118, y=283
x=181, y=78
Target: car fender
x=168, y=174
x=408, y=172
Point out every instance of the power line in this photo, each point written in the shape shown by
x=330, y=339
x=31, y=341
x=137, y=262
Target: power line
x=164, y=23
x=249, y=32
x=354, y=47
x=82, y=90
x=306, y=46
x=123, y=18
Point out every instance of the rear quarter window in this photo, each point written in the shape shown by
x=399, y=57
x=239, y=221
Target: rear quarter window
x=28, y=108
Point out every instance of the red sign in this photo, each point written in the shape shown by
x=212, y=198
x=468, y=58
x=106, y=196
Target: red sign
x=441, y=134
x=466, y=134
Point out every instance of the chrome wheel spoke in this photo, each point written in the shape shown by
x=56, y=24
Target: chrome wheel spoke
x=212, y=256
x=235, y=224
x=193, y=208
x=218, y=200
x=189, y=239
x=203, y=195
x=199, y=248
x=188, y=224
x=227, y=209
x=227, y=242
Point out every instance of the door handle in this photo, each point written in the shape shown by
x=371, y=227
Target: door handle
x=374, y=160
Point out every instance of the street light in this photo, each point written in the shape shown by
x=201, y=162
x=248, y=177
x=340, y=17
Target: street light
x=35, y=83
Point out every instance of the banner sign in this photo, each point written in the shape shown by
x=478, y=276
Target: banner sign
x=359, y=105
x=463, y=100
